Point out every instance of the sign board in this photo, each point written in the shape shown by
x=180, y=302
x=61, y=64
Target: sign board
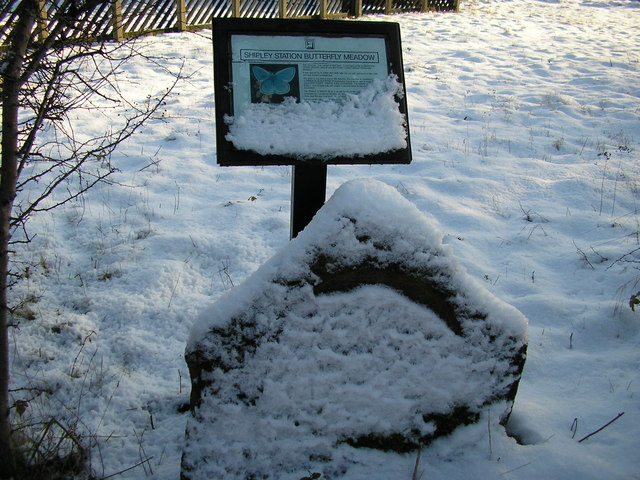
x=286, y=80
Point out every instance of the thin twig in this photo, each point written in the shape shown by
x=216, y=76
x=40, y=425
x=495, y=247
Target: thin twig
x=623, y=258
x=602, y=427
x=416, y=475
x=87, y=338
x=489, y=431
x=615, y=189
x=514, y=469
x=127, y=469
x=173, y=290
x=584, y=256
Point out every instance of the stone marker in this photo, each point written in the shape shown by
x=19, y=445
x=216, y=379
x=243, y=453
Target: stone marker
x=364, y=331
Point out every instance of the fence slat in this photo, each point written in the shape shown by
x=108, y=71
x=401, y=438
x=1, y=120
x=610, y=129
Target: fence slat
x=202, y=14
x=133, y=12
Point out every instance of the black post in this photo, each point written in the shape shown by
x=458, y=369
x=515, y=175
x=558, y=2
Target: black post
x=308, y=190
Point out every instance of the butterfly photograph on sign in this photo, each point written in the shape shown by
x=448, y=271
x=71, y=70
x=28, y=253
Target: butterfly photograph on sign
x=272, y=83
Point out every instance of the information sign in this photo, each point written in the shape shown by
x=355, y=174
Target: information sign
x=278, y=63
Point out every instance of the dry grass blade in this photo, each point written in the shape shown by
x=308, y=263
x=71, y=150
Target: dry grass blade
x=417, y=474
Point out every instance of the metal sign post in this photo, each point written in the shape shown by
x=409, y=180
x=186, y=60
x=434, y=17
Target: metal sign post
x=308, y=190
x=277, y=61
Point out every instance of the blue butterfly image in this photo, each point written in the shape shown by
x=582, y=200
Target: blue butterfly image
x=277, y=82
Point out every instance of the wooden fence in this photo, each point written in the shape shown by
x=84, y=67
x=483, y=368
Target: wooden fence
x=119, y=19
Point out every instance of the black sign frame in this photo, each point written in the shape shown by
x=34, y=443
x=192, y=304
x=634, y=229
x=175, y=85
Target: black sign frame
x=223, y=31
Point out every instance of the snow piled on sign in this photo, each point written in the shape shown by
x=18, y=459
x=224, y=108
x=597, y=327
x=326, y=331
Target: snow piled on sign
x=313, y=370
x=368, y=123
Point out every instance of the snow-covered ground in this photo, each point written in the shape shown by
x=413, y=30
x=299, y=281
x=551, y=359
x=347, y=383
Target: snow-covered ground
x=525, y=125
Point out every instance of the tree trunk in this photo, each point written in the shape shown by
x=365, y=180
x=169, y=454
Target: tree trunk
x=22, y=55
x=8, y=178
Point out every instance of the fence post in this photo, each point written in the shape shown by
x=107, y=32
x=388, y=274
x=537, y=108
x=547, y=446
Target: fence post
x=116, y=21
x=323, y=9
x=181, y=11
x=388, y=8
x=357, y=8
x=42, y=20
x=236, y=9
x=283, y=8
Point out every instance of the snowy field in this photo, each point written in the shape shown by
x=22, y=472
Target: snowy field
x=525, y=127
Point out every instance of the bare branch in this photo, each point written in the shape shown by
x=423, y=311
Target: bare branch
x=81, y=154
x=625, y=258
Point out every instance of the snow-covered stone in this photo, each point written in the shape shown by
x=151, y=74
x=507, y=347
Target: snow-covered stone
x=363, y=332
